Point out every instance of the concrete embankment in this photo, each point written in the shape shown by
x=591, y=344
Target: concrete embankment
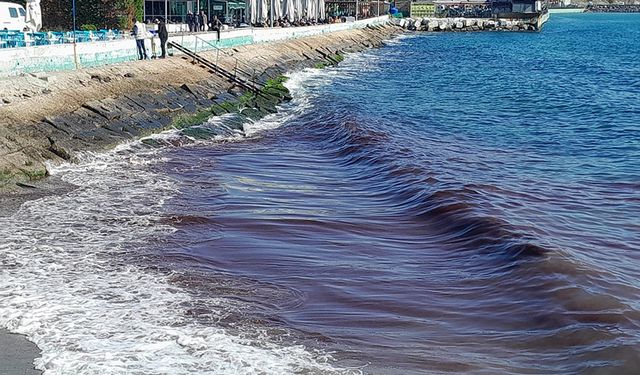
x=51, y=117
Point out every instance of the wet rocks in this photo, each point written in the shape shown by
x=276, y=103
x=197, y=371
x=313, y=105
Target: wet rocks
x=463, y=24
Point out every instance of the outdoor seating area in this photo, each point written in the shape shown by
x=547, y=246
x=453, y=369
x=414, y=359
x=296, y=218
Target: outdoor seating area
x=14, y=38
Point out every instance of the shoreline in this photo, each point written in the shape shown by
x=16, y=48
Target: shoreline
x=52, y=117
x=18, y=353
x=56, y=130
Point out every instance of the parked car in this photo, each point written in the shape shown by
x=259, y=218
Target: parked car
x=12, y=16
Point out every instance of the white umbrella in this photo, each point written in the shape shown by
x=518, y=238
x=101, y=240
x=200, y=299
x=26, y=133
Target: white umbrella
x=298, y=10
x=252, y=7
x=288, y=9
x=277, y=9
x=313, y=9
x=307, y=8
x=264, y=11
x=34, y=15
x=321, y=10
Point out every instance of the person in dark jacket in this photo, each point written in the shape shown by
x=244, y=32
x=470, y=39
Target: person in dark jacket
x=216, y=25
x=163, y=34
x=202, y=19
x=196, y=22
x=190, y=21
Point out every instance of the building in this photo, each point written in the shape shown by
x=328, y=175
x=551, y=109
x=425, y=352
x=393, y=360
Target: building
x=423, y=9
x=347, y=8
x=175, y=11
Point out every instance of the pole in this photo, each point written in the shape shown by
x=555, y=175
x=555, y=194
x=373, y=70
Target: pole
x=75, y=53
x=356, y=10
x=271, y=13
x=166, y=11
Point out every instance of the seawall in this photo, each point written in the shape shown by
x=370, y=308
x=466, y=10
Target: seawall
x=50, y=118
x=61, y=57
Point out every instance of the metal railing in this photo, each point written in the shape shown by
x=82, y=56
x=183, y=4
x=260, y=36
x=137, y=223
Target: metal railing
x=248, y=71
x=14, y=39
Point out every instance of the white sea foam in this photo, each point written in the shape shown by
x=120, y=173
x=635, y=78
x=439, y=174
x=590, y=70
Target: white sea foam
x=67, y=282
x=300, y=85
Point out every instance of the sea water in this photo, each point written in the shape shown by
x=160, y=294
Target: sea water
x=449, y=203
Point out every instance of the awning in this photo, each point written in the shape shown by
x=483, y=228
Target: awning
x=236, y=5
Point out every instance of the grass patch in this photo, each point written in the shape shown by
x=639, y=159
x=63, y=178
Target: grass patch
x=188, y=120
x=35, y=174
x=5, y=176
x=331, y=61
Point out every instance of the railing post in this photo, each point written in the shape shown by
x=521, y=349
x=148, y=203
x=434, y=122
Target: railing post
x=195, y=50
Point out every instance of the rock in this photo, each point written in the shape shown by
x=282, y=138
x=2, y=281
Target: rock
x=129, y=75
x=45, y=77
x=6, y=101
x=515, y=28
x=459, y=25
x=101, y=78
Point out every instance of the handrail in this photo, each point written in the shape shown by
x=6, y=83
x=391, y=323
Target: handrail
x=237, y=61
x=250, y=85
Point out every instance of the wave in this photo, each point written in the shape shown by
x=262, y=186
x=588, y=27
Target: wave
x=450, y=213
x=78, y=278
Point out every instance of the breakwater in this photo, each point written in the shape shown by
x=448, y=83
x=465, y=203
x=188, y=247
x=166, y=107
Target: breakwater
x=48, y=118
x=472, y=24
x=613, y=8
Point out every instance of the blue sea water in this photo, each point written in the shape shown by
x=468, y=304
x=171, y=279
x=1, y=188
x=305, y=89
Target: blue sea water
x=449, y=203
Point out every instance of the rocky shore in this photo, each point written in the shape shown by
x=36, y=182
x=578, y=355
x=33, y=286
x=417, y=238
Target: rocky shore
x=49, y=118
x=464, y=24
x=613, y=8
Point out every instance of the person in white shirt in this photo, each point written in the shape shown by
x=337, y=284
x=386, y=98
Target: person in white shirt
x=140, y=33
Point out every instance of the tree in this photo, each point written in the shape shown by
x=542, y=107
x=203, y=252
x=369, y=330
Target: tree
x=57, y=14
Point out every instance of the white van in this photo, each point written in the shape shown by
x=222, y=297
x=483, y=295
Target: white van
x=12, y=16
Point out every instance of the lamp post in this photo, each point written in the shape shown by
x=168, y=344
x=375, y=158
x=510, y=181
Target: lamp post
x=75, y=53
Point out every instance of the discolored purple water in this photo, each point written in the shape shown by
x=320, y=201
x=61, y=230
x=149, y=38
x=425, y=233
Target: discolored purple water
x=450, y=203
x=437, y=206
x=440, y=205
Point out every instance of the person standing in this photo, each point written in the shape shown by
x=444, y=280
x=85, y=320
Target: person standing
x=190, y=21
x=216, y=25
x=196, y=22
x=204, y=24
x=163, y=34
x=140, y=33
